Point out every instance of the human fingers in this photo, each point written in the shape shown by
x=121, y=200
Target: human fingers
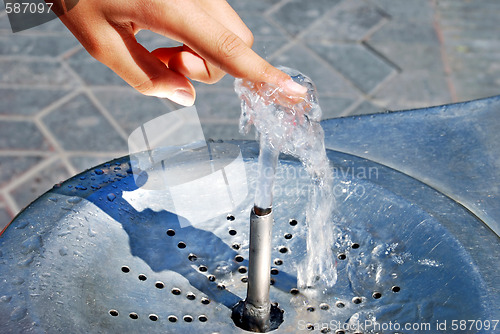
x=188, y=62
x=145, y=72
x=221, y=47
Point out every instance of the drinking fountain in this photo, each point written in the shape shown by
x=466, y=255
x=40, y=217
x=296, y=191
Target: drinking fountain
x=417, y=204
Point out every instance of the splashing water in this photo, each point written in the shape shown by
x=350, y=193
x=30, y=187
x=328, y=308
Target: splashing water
x=294, y=128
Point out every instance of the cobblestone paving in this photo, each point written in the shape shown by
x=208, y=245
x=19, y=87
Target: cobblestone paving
x=62, y=112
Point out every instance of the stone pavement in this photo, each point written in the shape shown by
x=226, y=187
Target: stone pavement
x=62, y=112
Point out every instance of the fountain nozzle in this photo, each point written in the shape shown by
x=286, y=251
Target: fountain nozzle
x=256, y=313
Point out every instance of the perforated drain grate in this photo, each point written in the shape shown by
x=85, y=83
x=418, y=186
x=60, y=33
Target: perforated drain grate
x=94, y=259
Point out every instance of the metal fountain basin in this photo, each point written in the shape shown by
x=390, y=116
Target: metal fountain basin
x=95, y=254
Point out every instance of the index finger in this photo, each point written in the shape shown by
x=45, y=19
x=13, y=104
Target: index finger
x=221, y=47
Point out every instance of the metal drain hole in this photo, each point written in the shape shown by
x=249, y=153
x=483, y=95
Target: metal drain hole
x=133, y=316
x=238, y=258
x=191, y=296
x=202, y=269
x=310, y=309
x=283, y=250
x=188, y=318
x=232, y=232
x=272, y=281
x=205, y=301
x=376, y=295
x=211, y=278
x=181, y=245
x=242, y=269
x=176, y=291
x=310, y=327
x=278, y=262
x=221, y=286
x=274, y=271
x=340, y=304
x=142, y=277
x=160, y=285
x=341, y=256
x=357, y=300
x=293, y=222
x=230, y=217
x=325, y=330
x=170, y=233
x=202, y=318
x=125, y=269
x=113, y=313
x=288, y=236
x=153, y=317
x=172, y=318
x=294, y=291
x=339, y=331
x=192, y=257
x=244, y=279
x=396, y=288
x=324, y=306
x=355, y=246
x=236, y=246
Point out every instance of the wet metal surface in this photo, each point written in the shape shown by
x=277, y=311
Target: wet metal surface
x=95, y=255
x=453, y=148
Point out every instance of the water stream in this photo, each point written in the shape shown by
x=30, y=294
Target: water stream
x=293, y=128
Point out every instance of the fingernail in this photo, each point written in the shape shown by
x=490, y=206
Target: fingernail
x=294, y=89
x=182, y=97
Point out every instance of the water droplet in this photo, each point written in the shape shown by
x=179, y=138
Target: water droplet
x=80, y=187
x=26, y=262
x=74, y=200
x=17, y=280
x=95, y=186
x=53, y=199
x=18, y=313
x=5, y=299
x=83, y=177
x=99, y=171
x=31, y=244
x=91, y=233
x=111, y=197
x=77, y=254
x=22, y=225
x=63, y=251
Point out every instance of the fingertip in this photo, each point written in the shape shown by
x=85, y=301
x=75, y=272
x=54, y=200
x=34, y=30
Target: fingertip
x=183, y=97
x=180, y=96
x=289, y=88
x=294, y=89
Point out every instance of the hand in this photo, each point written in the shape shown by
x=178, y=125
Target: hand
x=215, y=39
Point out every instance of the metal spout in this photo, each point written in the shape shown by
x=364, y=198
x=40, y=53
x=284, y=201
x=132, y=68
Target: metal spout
x=255, y=312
